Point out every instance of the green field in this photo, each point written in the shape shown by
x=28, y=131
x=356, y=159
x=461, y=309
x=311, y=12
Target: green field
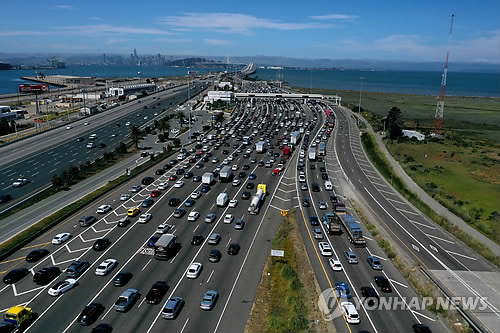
x=462, y=171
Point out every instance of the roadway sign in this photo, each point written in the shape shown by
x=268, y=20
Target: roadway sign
x=277, y=253
x=284, y=212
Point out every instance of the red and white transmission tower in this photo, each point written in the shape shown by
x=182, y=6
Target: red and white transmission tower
x=439, y=116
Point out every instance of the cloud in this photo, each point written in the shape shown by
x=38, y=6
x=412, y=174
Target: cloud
x=216, y=41
x=24, y=33
x=232, y=22
x=110, y=29
x=335, y=17
x=113, y=41
x=172, y=40
x=63, y=7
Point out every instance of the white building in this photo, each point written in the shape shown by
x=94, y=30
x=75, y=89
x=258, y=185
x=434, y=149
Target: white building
x=225, y=96
x=223, y=84
x=414, y=134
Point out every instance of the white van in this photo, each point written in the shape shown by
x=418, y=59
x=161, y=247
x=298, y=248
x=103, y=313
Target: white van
x=222, y=199
x=328, y=186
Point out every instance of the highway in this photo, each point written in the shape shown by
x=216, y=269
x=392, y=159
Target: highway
x=41, y=157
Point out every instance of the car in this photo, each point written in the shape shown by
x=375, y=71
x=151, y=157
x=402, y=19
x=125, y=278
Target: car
x=246, y=167
x=159, y=172
x=36, y=255
x=195, y=195
x=196, y=179
x=102, y=145
x=239, y=224
x=136, y=188
x=102, y=328
x=312, y=166
x=172, y=177
x=324, y=176
x=194, y=270
x=235, y=167
x=133, y=211
x=189, y=203
x=91, y=145
x=21, y=181
x=188, y=175
x=193, y=216
x=318, y=234
x=210, y=218
x=214, y=239
x=126, y=300
x=174, y=202
x=179, y=184
x=253, y=160
x=147, y=180
x=124, y=221
x=351, y=257
x=306, y=203
x=209, y=300
x=163, y=186
x=245, y=195
x=179, y=212
x=420, y=328
x=250, y=186
x=199, y=165
x=322, y=169
x=315, y=187
x=314, y=220
x=233, y=203
x=229, y=218
x=303, y=187
x=101, y=244
x=233, y=249
x=350, y=312
x=46, y=275
x=236, y=182
x=80, y=139
x=15, y=275
x=302, y=178
x=214, y=256
x=325, y=249
x=163, y=228
x=334, y=199
x=197, y=240
x=370, y=295
x=383, y=283
x=322, y=205
x=374, y=263
x=335, y=264
x=86, y=221
x=343, y=289
x=157, y=292
x=172, y=308
x=62, y=286
x=125, y=197
x=103, y=209
x=147, y=203
x=155, y=193
x=152, y=241
x=61, y=238
x=90, y=314
x=122, y=278
x=105, y=267
x=205, y=188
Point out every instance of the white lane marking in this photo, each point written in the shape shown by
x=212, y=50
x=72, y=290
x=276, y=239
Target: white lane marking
x=394, y=281
x=281, y=198
x=415, y=247
x=111, y=308
x=396, y=201
x=146, y=265
x=428, y=318
x=407, y=211
x=208, y=280
x=196, y=228
x=422, y=224
x=461, y=255
x=375, y=289
x=229, y=241
x=439, y=238
x=433, y=247
x=183, y=327
x=141, y=302
x=52, y=170
x=367, y=238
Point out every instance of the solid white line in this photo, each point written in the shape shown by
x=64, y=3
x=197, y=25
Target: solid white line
x=367, y=238
x=375, y=289
x=439, y=238
x=141, y=302
x=196, y=228
x=428, y=318
x=229, y=241
x=146, y=265
x=110, y=308
x=396, y=201
x=461, y=255
x=407, y=211
x=422, y=224
x=394, y=281
x=208, y=280
x=183, y=327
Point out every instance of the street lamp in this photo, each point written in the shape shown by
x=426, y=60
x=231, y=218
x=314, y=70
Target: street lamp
x=360, y=90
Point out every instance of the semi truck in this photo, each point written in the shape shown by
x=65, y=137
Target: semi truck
x=225, y=174
x=322, y=149
x=257, y=200
x=207, y=178
x=295, y=138
x=353, y=229
x=331, y=223
x=165, y=246
x=312, y=154
x=260, y=147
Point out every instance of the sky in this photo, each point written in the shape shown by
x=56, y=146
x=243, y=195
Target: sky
x=333, y=29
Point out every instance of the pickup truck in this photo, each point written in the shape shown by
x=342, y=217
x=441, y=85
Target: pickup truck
x=127, y=300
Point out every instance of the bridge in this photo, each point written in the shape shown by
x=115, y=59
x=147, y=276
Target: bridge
x=249, y=69
x=334, y=98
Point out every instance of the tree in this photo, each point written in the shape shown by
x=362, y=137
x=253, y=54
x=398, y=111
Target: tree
x=180, y=115
x=394, y=123
x=66, y=177
x=177, y=142
x=164, y=126
x=122, y=148
x=74, y=172
x=57, y=181
x=219, y=117
x=135, y=135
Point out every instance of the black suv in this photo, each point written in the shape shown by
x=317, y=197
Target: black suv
x=157, y=292
x=77, y=268
x=147, y=180
x=101, y=244
x=174, y=202
x=121, y=279
x=233, y=249
x=197, y=240
x=245, y=195
x=90, y=314
x=370, y=295
x=45, y=275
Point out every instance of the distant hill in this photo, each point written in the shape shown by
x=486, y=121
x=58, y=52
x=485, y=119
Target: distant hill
x=192, y=62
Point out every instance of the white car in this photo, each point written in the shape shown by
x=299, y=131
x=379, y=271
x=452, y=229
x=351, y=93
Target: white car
x=228, y=218
x=91, y=145
x=61, y=238
x=233, y=203
x=103, y=209
x=231, y=158
x=195, y=195
x=144, y=218
x=325, y=249
x=179, y=184
x=163, y=228
x=62, y=286
x=335, y=264
x=163, y=186
x=225, y=161
x=235, y=167
x=86, y=123
x=194, y=270
x=350, y=312
x=236, y=182
x=127, y=123
x=193, y=216
x=302, y=178
x=69, y=127
x=105, y=267
x=21, y=181
x=322, y=205
x=124, y=197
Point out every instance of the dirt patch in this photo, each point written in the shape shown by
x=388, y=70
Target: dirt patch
x=489, y=175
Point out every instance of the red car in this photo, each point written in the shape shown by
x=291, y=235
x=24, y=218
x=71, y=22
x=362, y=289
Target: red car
x=192, y=160
x=155, y=193
x=173, y=177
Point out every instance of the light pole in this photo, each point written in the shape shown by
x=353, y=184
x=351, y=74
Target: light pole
x=360, y=90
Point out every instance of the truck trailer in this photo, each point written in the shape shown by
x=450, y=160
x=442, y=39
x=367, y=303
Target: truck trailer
x=257, y=199
x=331, y=223
x=225, y=174
x=312, y=154
x=207, y=178
x=353, y=229
x=165, y=246
x=295, y=138
x=260, y=147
